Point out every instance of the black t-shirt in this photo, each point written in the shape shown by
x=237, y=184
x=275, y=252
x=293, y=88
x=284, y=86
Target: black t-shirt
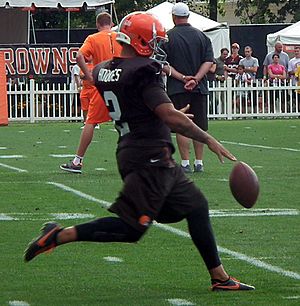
x=132, y=88
x=187, y=49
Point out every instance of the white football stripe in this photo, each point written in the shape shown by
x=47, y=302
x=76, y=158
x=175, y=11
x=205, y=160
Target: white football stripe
x=180, y=302
x=18, y=303
x=12, y=168
x=11, y=156
x=113, y=259
x=252, y=261
x=259, y=146
x=62, y=155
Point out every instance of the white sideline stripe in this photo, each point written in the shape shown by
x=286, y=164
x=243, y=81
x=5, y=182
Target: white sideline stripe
x=259, y=146
x=18, y=303
x=253, y=212
x=61, y=155
x=5, y=217
x=3, y=148
x=113, y=259
x=103, y=204
x=252, y=261
x=180, y=302
x=294, y=297
x=100, y=169
x=11, y=156
x=12, y=168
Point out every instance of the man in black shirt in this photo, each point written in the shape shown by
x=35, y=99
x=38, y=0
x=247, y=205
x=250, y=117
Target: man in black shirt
x=190, y=54
x=155, y=188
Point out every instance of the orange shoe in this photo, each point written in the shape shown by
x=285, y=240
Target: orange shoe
x=230, y=284
x=45, y=242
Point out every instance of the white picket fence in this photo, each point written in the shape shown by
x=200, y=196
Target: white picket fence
x=38, y=102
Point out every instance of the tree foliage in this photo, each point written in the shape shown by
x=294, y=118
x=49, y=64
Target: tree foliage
x=267, y=11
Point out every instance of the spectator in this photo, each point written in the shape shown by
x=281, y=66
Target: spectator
x=283, y=58
x=250, y=63
x=220, y=77
x=242, y=78
x=293, y=65
x=251, y=66
x=232, y=61
x=75, y=84
x=190, y=55
x=220, y=62
x=277, y=73
x=294, y=70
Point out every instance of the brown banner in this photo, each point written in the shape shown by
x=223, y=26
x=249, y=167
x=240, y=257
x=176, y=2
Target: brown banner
x=39, y=60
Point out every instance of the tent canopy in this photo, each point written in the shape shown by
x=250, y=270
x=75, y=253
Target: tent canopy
x=288, y=36
x=163, y=12
x=217, y=32
x=53, y=3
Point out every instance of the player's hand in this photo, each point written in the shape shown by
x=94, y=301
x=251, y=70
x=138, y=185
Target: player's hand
x=218, y=149
x=185, y=109
x=88, y=77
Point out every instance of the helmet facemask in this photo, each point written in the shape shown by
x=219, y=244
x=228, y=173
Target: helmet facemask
x=155, y=44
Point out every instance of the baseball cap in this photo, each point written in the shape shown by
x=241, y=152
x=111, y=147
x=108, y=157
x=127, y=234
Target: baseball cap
x=180, y=9
x=235, y=45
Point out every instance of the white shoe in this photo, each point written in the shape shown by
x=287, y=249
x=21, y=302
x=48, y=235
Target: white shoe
x=97, y=127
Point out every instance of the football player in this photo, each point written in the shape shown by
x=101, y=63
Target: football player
x=155, y=187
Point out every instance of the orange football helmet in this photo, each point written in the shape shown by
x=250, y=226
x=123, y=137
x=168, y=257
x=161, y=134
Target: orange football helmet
x=144, y=32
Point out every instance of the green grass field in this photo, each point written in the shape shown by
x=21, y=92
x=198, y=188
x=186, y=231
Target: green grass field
x=259, y=246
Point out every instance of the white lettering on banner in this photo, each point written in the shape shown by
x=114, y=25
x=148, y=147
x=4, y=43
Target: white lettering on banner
x=39, y=60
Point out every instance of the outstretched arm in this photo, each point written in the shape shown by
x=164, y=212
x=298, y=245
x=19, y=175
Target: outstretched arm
x=180, y=123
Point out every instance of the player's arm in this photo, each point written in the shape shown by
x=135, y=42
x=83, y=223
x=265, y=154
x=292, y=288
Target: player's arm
x=180, y=123
x=80, y=59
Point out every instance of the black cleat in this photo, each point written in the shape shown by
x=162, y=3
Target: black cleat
x=230, y=284
x=45, y=242
x=70, y=167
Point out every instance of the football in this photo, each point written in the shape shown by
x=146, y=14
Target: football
x=244, y=184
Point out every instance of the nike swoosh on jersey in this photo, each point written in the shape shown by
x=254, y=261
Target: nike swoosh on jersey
x=154, y=160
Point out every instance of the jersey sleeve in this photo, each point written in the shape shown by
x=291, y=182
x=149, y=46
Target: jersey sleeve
x=154, y=95
x=151, y=85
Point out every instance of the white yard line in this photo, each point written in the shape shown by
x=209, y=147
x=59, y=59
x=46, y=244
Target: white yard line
x=240, y=256
x=180, y=302
x=62, y=155
x=259, y=146
x=12, y=168
x=11, y=156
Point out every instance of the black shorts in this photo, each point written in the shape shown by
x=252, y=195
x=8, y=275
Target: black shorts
x=198, y=107
x=156, y=193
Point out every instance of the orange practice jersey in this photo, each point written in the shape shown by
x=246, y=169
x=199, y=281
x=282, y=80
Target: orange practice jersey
x=101, y=46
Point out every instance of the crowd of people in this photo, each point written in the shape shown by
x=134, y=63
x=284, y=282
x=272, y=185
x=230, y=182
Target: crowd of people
x=278, y=69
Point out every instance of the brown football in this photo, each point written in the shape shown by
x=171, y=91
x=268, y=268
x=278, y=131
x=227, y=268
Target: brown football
x=244, y=184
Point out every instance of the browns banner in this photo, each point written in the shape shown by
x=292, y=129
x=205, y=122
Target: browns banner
x=47, y=60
